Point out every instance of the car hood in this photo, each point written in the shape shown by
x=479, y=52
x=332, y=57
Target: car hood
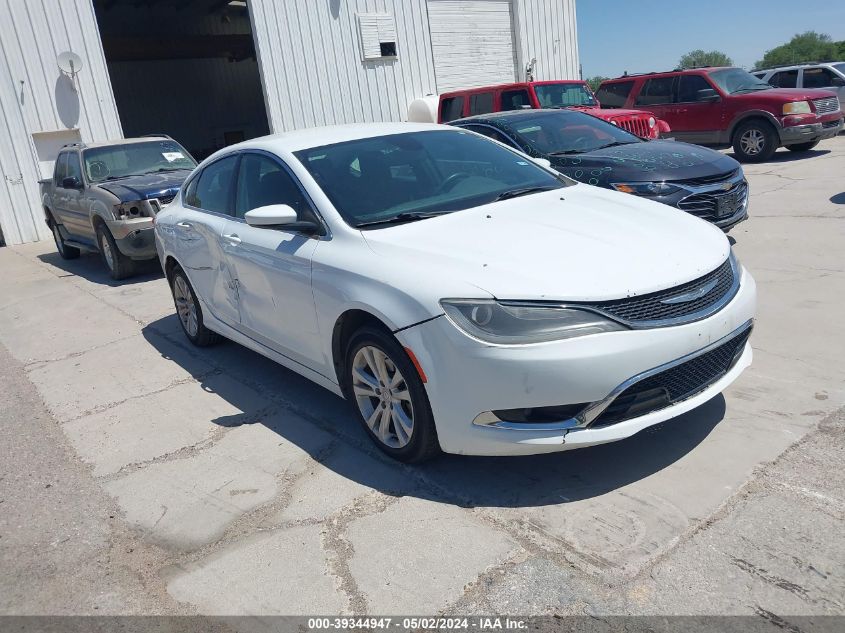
x=646, y=161
x=159, y=185
x=579, y=243
x=788, y=94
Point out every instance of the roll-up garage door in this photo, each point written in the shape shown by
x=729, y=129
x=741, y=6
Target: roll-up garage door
x=472, y=42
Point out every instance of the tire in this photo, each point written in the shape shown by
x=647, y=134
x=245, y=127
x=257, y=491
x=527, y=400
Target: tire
x=119, y=265
x=189, y=311
x=802, y=147
x=389, y=408
x=65, y=251
x=755, y=141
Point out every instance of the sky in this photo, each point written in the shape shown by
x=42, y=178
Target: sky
x=651, y=35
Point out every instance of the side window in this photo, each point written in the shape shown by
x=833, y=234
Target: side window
x=657, y=91
x=785, y=79
x=213, y=188
x=614, y=95
x=818, y=78
x=262, y=182
x=74, y=167
x=481, y=103
x=515, y=99
x=61, y=169
x=451, y=108
x=493, y=133
x=688, y=87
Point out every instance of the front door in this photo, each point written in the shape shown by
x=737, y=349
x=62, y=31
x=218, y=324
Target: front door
x=273, y=266
x=699, y=120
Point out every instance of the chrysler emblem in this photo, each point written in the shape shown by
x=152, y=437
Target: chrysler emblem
x=692, y=295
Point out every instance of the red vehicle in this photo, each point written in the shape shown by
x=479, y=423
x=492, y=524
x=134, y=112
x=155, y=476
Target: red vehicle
x=531, y=94
x=724, y=107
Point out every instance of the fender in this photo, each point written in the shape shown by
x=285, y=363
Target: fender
x=751, y=114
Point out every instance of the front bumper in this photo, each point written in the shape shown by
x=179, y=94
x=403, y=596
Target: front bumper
x=828, y=127
x=137, y=243
x=467, y=378
x=706, y=201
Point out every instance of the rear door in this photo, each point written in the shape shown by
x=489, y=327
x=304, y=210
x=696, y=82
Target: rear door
x=198, y=228
x=272, y=266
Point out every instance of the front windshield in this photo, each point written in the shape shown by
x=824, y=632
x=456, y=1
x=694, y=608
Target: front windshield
x=132, y=159
x=840, y=68
x=555, y=133
x=395, y=177
x=737, y=81
x=563, y=95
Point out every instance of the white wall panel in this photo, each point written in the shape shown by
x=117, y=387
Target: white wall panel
x=36, y=97
x=312, y=69
x=547, y=30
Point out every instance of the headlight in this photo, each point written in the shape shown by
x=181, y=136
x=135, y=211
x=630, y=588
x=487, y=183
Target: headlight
x=796, y=107
x=645, y=188
x=651, y=121
x=516, y=324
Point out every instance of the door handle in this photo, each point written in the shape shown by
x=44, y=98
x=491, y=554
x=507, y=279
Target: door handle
x=184, y=225
x=232, y=238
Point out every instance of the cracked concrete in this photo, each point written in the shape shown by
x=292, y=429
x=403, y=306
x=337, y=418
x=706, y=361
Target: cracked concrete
x=214, y=481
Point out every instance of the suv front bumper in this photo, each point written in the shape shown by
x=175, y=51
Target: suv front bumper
x=810, y=132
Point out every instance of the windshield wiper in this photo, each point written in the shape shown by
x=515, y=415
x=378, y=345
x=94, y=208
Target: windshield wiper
x=515, y=193
x=751, y=89
x=567, y=151
x=614, y=144
x=124, y=176
x=401, y=218
x=161, y=169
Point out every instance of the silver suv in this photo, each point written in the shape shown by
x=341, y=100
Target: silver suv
x=829, y=75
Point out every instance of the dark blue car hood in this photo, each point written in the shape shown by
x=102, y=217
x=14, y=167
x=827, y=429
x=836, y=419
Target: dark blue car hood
x=160, y=185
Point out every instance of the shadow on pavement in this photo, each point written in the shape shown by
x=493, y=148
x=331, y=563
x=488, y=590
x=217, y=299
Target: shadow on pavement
x=465, y=481
x=89, y=266
x=785, y=156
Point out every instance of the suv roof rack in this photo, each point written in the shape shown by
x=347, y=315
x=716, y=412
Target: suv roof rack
x=808, y=63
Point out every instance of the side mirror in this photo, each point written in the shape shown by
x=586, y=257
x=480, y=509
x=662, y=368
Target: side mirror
x=71, y=182
x=708, y=94
x=280, y=216
x=543, y=162
x=271, y=215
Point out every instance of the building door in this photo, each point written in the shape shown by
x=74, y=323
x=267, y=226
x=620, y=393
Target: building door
x=472, y=42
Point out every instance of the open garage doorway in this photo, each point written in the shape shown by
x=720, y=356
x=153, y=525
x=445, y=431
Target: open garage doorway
x=186, y=68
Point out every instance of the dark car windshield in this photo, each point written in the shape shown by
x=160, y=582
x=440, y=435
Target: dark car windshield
x=563, y=95
x=737, y=81
x=567, y=132
x=840, y=68
x=147, y=157
x=404, y=177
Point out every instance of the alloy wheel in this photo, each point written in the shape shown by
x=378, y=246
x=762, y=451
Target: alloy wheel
x=185, y=306
x=752, y=142
x=105, y=248
x=382, y=396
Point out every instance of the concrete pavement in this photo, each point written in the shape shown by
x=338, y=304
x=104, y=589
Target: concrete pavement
x=234, y=481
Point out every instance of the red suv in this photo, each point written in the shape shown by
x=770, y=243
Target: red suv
x=723, y=107
x=531, y=94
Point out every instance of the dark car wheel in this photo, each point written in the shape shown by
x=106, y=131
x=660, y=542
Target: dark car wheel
x=189, y=311
x=755, y=141
x=119, y=265
x=389, y=396
x=802, y=147
x=65, y=251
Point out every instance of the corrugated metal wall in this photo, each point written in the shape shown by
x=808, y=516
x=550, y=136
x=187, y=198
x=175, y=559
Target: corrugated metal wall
x=547, y=30
x=36, y=97
x=312, y=68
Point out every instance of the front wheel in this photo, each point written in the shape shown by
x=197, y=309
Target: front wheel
x=755, y=141
x=802, y=147
x=390, y=397
x=120, y=266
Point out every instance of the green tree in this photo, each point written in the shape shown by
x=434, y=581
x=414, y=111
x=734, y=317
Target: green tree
x=699, y=58
x=804, y=47
x=595, y=82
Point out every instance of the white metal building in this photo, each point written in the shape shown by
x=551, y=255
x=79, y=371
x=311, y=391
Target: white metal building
x=213, y=72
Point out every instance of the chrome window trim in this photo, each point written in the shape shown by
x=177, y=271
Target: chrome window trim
x=584, y=420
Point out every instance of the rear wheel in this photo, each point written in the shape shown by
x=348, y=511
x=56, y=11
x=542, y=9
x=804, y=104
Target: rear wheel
x=119, y=265
x=189, y=311
x=755, y=141
x=802, y=147
x=65, y=251
x=389, y=396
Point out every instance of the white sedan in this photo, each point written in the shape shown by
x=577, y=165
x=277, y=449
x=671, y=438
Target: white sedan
x=463, y=297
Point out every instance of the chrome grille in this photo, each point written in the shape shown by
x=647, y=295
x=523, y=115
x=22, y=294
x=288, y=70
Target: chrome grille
x=674, y=384
x=659, y=308
x=826, y=105
x=166, y=199
x=716, y=205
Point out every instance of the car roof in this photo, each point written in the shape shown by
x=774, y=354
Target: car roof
x=794, y=66
x=122, y=141
x=517, y=84
x=507, y=115
x=319, y=136
x=677, y=71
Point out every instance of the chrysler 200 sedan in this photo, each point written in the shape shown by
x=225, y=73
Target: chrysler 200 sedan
x=463, y=297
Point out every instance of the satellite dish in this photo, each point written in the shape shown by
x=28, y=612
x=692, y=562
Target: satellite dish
x=70, y=63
